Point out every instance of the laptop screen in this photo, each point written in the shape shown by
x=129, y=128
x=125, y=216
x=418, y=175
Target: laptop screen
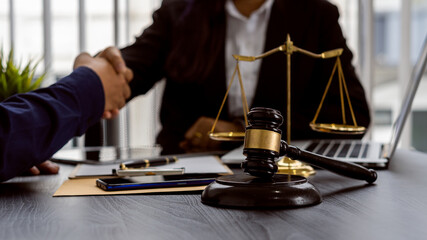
x=405, y=108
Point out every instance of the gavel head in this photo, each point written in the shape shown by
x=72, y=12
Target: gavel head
x=262, y=142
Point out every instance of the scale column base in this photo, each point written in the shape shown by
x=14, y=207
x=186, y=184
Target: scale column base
x=293, y=167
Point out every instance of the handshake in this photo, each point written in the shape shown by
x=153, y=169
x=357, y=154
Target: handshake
x=115, y=77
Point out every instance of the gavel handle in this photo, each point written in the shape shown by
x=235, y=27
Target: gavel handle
x=347, y=169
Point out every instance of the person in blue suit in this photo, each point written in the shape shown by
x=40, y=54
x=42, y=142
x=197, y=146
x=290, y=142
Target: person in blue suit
x=36, y=124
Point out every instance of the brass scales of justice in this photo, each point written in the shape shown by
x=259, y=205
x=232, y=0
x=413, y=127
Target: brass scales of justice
x=287, y=165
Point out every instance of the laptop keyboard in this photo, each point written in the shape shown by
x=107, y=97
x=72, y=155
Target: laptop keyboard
x=333, y=150
x=353, y=149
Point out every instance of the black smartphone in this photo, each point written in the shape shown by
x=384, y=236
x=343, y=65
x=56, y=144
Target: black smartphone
x=146, y=182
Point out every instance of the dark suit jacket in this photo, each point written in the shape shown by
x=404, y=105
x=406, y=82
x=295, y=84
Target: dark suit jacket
x=311, y=24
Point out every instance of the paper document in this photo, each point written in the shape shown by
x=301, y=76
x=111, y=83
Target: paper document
x=209, y=164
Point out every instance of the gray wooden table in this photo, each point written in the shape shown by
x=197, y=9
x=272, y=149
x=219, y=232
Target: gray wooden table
x=393, y=208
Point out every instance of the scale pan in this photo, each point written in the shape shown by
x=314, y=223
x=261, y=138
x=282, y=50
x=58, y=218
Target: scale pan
x=227, y=136
x=338, y=128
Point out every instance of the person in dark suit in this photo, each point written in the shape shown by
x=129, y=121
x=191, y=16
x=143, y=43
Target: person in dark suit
x=189, y=45
x=36, y=124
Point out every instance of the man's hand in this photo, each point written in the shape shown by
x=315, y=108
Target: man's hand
x=197, y=136
x=116, y=88
x=116, y=91
x=114, y=57
x=46, y=167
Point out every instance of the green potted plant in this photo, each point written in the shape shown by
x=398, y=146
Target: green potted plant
x=14, y=79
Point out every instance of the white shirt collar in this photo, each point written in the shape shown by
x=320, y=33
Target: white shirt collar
x=231, y=9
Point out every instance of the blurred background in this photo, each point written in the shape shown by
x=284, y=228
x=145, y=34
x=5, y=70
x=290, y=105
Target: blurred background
x=384, y=35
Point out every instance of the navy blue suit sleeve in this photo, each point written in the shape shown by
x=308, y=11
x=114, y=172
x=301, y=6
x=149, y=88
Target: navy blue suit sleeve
x=35, y=125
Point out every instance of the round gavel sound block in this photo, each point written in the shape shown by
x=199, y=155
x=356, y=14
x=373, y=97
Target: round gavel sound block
x=247, y=191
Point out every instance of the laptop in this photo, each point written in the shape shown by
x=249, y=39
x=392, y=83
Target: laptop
x=367, y=153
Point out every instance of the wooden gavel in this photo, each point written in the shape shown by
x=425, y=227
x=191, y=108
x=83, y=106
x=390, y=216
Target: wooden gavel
x=263, y=145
